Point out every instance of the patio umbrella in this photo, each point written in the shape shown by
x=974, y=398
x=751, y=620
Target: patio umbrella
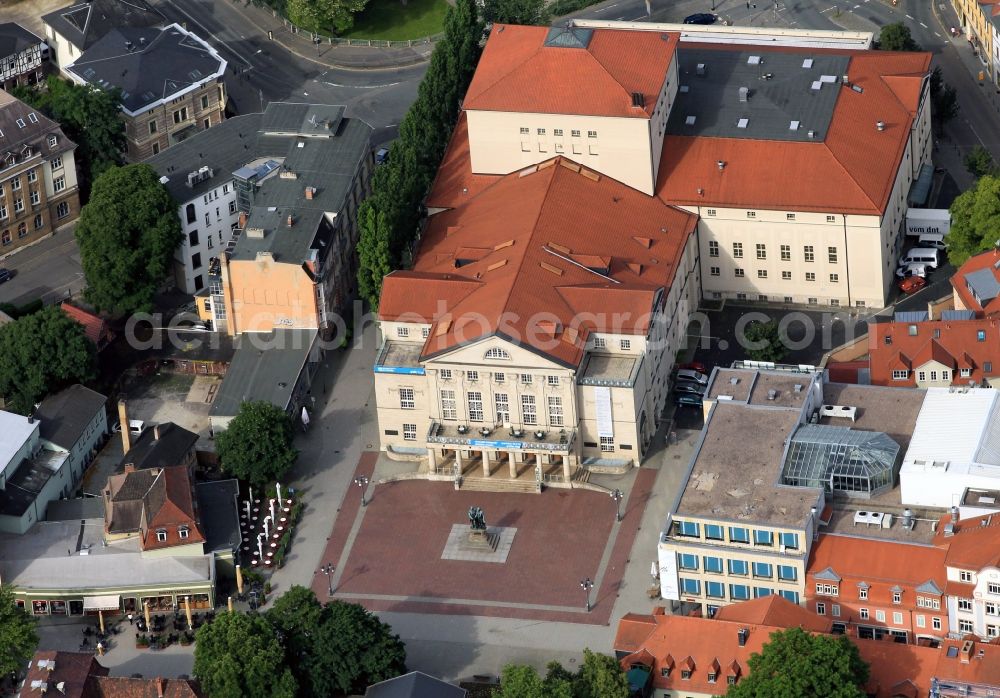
x=239, y=579
x=230, y=604
x=187, y=612
x=145, y=609
x=100, y=619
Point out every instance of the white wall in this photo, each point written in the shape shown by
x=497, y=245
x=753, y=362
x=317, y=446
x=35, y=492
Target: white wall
x=215, y=214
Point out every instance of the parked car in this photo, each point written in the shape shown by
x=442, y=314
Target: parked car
x=907, y=270
x=5, y=274
x=381, y=155
x=135, y=426
x=912, y=284
x=693, y=366
x=686, y=374
x=687, y=400
x=700, y=18
x=689, y=388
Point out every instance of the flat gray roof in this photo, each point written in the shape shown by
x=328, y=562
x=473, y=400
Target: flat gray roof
x=217, y=509
x=606, y=367
x=266, y=366
x=75, y=509
x=65, y=415
x=890, y=410
x=400, y=354
x=28, y=480
x=788, y=93
x=732, y=383
x=779, y=389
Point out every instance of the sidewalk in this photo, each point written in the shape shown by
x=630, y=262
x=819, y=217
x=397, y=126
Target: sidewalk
x=301, y=44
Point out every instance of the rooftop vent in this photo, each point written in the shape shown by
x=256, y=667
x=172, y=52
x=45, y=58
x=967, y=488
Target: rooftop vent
x=845, y=78
x=689, y=121
x=721, y=164
x=811, y=133
x=700, y=69
x=128, y=44
x=255, y=232
x=743, y=123
x=734, y=380
x=638, y=100
x=742, y=635
x=807, y=63
x=816, y=85
x=857, y=88
x=797, y=388
x=772, y=394
x=744, y=94
x=880, y=125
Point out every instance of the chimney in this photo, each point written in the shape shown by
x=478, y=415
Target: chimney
x=954, y=514
x=966, y=654
x=161, y=687
x=130, y=467
x=309, y=193
x=291, y=220
x=123, y=419
x=243, y=220
x=156, y=432
x=742, y=636
x=880, y=125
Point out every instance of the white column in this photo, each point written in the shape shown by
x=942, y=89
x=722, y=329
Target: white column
x=432, y=459
x=486, y=463
x=513, y=464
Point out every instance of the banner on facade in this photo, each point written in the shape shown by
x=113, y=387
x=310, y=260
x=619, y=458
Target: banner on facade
x=669, y=588
x=605, y=425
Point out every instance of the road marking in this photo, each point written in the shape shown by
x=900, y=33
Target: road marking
x=924, y=25
x=856, y=7
x=221, y=41
x=361, y=87
x=909, y=17
x=829, y=9
x=620, y=19
x=610, y=6
x=937, y=35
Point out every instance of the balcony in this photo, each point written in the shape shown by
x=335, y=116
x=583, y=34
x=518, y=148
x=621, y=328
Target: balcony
x=501, y=438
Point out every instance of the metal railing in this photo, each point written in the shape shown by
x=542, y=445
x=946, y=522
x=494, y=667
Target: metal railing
x=318, y=38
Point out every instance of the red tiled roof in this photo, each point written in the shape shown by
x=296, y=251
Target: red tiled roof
x=94, y=326
x=122, y=687
x=70, y=669
x=852, y=170
x=519, y=73
x=985, y=260
x=530, y=223
x=633, y=629
x=455, y=182
x=776, y=611
x=957, y=347
x=975, y=544
x=177, y=509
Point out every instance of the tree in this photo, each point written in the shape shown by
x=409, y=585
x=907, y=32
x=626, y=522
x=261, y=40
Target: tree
x=297, y=615
x=89, y=117
x=896, y=37
x=768, y=336
x=975, y=216
x=127, y=234
x=257, y=444
x=601, y=677
x=18, y=638
x=324, y=15
x=41, y=352
x=352, y=649
x=979, y=161
x=239, y=655
x=796, y=664
x=944, y=99
x=516, y=12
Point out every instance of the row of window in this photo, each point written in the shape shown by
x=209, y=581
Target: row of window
x=182, y=531
x=711, y=213
x=448, y=374
x=740, y=273
x=946, y=374
x=557, y=132
x=737, y=592
x=764, y=298
x=22, y=228
x=737, y=534
x=741, y=568
x=808, y=252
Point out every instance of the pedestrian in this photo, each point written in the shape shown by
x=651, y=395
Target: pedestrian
x=100, y=649
x=131, y=621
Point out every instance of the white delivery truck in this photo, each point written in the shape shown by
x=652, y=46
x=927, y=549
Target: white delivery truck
x=928, y=221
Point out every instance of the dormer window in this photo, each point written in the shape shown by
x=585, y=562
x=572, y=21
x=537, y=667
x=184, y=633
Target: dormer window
x=161, y=535
x=685, y=674
x=665, y=671
x=183, y=532
x=53, y=141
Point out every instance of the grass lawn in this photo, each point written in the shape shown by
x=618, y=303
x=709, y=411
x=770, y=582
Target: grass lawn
x=391, y=20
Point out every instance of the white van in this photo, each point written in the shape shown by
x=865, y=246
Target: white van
x=921, y=255
x=932, y=240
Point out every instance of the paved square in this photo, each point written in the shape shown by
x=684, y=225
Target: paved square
x=458, y=546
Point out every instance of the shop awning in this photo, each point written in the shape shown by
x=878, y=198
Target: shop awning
x=111, y=602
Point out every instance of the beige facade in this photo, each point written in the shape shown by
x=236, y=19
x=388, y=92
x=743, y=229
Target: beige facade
x=605, y=410
x=149, y=132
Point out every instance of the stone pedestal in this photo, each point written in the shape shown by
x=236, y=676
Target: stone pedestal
x=483, y=540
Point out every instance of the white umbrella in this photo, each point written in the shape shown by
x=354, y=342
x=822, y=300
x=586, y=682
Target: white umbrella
x=652, y=569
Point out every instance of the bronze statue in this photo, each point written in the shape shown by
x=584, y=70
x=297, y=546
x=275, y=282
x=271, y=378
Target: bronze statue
x=477, y=519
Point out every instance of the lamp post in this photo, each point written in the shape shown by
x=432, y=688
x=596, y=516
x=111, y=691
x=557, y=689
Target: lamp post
x=362, y=483
x=587, y=585
x=327, y=569
x=618, y=495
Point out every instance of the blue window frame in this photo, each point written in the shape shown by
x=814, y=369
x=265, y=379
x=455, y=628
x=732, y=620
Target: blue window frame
x=713, y=532
x=761, y=592
x=792, y=596
x=740, y=567
x=787, y=573
x=739, y=592
x=715, y=590
x=712, y=564
x=687, y=562
x=763, y=569
x=790, y=541
x=687, y=528
x=739, y=535
x=690, y=586
x=763, y=537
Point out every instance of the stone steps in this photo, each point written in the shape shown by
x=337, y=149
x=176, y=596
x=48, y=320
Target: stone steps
x=499, y=484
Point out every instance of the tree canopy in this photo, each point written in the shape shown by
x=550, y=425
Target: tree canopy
x=767, y=341
x=336, y=649
x=239, y=655
x=42, y=352
x=388, y=218
x=975, y=220
x=516, y=12
x=89, y=117
x=127, y=233
x=334, y=16
x=18, y=638
x=944, y=99
x=257, y=444
x=897, y=37
x=600, y=676
x=796, y=664
x=979, y=161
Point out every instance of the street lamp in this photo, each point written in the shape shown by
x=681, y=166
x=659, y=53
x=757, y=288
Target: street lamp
x=327, y=569
x=317, y=40
x=618, y=495
x=362, y=483
x=587, y=585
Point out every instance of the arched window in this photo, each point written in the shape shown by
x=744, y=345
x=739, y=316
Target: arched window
x=497, y=353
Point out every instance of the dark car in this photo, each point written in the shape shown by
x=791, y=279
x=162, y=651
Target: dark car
x=689, y=388
x=381, y=155
x=5, y=274
x=687, y=400
x=700, y=18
